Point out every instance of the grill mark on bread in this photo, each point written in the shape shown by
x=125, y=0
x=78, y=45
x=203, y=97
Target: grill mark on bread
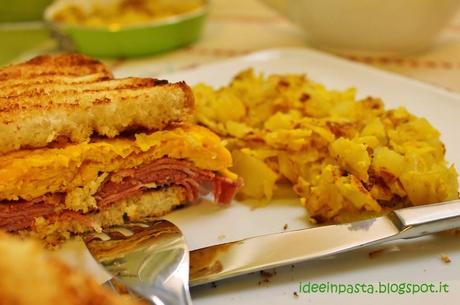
x=29, y=82
x=76, y=97
x=102, y=101
x=53, y=79
x=68, y=59
x=43, y=99
x=46, y=65
x=43, y=90
x=62, y=72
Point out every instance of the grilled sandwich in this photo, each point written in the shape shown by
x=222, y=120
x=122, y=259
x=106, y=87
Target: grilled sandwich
x=30, y=275
x=81, y=150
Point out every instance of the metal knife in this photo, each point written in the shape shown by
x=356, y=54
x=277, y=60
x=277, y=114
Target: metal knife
x=268, y=251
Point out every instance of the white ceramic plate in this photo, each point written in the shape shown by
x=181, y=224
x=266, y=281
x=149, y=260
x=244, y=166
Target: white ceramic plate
x=417, y=261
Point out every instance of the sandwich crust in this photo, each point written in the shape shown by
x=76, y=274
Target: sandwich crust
x=31, y=275
x=73, y=97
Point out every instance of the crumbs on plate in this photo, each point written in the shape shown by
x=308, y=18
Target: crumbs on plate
x=446, y=259
x=376, y=253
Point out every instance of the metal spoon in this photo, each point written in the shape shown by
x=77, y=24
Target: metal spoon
x=151, y=258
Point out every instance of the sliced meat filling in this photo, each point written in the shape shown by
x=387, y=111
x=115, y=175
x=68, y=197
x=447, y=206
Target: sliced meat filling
x=21, y=214
x=164, y=172
x=122, y=185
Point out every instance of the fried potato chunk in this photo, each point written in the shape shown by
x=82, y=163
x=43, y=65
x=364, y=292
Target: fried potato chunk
x=343, y=156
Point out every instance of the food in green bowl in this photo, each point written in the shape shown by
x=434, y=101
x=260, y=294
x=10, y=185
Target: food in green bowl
x=126, y=28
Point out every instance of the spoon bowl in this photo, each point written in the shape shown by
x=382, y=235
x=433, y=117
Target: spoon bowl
x=150, y=258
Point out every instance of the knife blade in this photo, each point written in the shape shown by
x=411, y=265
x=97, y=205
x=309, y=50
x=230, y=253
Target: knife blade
x=269, y=251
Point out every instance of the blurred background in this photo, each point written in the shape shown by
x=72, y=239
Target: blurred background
x=416, y=38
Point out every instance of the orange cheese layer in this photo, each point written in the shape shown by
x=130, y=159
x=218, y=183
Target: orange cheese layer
x=29, y=174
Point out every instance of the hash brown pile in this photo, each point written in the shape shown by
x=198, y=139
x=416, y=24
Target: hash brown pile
x=346, y=158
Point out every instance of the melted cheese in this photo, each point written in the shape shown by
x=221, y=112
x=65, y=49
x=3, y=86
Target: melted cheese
x=28, y=174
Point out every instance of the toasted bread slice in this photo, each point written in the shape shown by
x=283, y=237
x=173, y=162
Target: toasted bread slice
x=32, y=275
x=74, y=97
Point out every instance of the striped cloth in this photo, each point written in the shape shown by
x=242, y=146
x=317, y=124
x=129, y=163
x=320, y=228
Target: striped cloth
x=239, y=27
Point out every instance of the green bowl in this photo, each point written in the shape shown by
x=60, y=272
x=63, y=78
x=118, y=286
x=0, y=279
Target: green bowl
x=129, y=41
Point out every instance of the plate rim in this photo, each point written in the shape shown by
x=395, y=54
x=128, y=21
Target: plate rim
x=283, y=51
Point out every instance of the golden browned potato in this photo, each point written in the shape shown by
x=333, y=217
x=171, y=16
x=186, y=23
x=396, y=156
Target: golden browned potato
x=343, y=156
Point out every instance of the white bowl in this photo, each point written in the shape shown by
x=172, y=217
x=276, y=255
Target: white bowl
x=375, y=26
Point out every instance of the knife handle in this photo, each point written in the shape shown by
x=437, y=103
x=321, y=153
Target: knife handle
x=426, y=219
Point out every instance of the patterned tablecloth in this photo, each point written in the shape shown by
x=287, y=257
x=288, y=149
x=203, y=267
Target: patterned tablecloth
x=239, y=27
